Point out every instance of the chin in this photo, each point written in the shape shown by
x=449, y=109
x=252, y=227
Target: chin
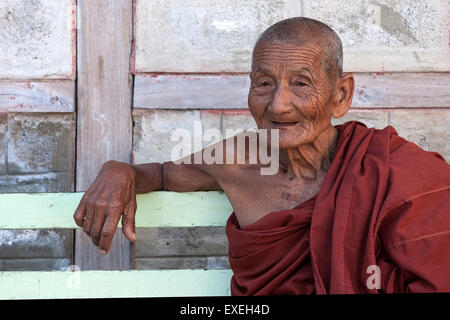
x=288, y=141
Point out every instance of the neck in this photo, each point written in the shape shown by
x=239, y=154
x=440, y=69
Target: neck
x=309, y=160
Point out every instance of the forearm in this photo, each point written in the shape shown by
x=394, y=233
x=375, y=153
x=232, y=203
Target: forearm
x=169, y=176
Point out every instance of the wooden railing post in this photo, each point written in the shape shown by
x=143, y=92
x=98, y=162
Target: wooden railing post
x=104, y=125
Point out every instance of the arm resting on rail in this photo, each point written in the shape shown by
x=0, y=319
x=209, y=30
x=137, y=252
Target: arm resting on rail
x=113, y=195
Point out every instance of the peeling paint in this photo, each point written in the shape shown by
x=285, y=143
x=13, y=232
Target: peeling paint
x=54, y=96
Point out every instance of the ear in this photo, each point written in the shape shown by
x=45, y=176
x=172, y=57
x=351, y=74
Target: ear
x=343, y=95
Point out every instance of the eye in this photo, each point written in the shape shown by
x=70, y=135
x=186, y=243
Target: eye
x=264, y=84
x=299, y=84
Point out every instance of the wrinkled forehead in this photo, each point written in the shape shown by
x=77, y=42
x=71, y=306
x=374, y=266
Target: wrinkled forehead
x=273, y=53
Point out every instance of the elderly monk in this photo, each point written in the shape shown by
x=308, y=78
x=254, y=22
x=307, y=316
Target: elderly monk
x=351, y=209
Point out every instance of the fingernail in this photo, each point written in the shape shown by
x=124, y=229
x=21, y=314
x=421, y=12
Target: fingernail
x=102, y=252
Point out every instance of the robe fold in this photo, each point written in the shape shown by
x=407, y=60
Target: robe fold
x=380, y=223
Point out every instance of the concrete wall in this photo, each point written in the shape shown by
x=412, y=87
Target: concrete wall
x=191, y=38
x=218, y=36
x=36, y=146
x=387, y=35
x=36, y=39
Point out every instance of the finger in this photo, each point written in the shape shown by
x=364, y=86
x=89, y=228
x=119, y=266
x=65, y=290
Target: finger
x=128, y=224
x=80, y=212
x=128, y=219
x=87, y=223
x=108, y=230
x=97, y=224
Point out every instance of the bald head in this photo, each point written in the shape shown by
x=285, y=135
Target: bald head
x=302, y=31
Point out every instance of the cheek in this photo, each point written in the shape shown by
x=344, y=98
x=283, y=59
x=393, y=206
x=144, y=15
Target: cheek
x=312, y=106
x=307, y=107
x=315, y=118
x=257, y=104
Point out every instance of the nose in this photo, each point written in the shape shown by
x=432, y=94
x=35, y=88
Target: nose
x=281, y=101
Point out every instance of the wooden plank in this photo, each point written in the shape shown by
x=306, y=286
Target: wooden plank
x=402, y=90
x=38, y=210
x=182, y=262
x=37, y=96
x=394, y=90
x=113, y=284
x=156, y=209
x=104, y=109
x=190, y=209
x=191, y=91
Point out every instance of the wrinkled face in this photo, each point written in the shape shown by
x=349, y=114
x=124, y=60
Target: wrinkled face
x=290, y=91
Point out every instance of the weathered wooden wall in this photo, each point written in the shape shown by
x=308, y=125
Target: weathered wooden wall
x=63, y=113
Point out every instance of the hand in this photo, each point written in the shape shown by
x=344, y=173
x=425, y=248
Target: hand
x=110, y=196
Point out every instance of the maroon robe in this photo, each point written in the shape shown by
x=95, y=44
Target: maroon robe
x=382, y=213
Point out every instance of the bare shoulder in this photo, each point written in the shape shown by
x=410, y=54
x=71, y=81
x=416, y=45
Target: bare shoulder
x=232, y=162
x=247, y=150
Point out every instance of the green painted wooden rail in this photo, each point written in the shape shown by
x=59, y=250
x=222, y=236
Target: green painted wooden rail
x=156, y=209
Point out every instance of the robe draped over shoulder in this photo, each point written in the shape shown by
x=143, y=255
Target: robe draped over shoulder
x=380, y=223
x=271, y=256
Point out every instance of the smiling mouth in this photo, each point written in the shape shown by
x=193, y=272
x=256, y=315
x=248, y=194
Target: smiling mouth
x=278, y=124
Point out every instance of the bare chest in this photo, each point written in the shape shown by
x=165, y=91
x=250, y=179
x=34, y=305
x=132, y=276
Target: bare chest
x=253, y=196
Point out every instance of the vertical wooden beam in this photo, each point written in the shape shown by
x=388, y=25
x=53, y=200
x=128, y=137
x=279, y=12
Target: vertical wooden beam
x=104, y=125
